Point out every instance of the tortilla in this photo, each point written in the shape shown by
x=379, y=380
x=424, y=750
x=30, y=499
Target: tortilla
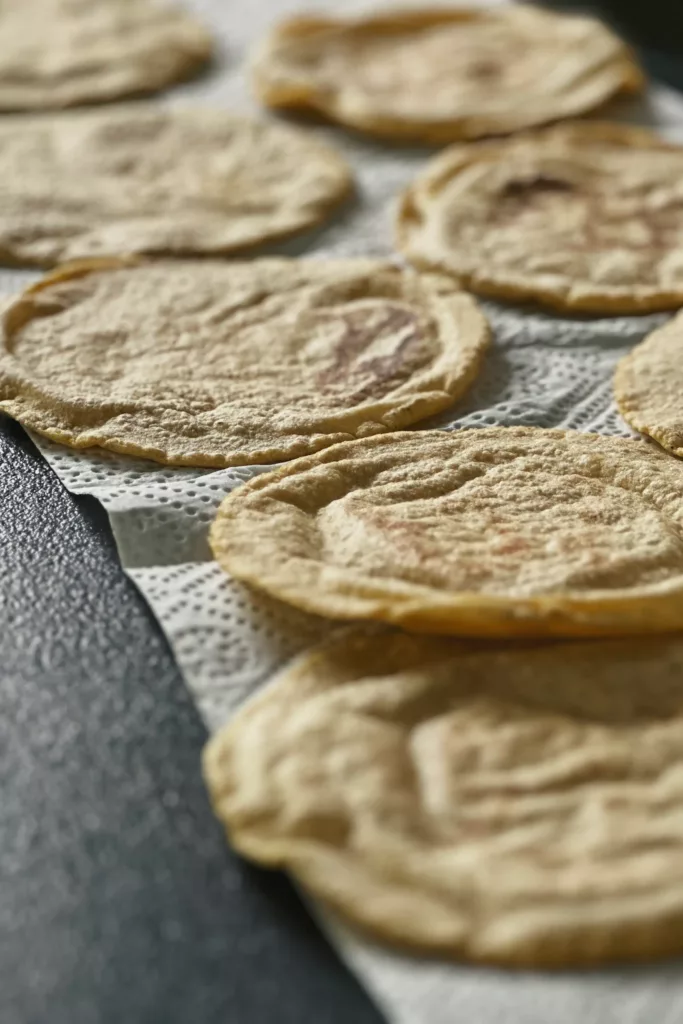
x=486, y=532
x=145, y=179
x=585, y=217
x=228, y=364
x=434, y=75
x=64, y=53
x=518, y=806
x=648, y=386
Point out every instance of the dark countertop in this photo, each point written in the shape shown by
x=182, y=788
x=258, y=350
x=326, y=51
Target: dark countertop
x=120, y=902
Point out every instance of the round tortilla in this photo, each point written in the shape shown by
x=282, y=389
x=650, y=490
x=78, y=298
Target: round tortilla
x=648, y=386
x=490, y=532
x=585, y=217
x=228, y=364
x=437, y=75
x=144, y=179
x=63, y=53
x=519, y=806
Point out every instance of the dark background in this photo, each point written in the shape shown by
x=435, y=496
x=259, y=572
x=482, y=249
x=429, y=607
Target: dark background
x=655, y=27
x=120, y=902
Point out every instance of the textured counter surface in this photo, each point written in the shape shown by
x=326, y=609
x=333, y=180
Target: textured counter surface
x=119, y=899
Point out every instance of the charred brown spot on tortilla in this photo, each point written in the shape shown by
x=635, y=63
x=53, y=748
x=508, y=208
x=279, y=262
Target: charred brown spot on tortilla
x=598, y=228
x=485, y=69
x=539, y=184
x=360, y=330
x=660, y=232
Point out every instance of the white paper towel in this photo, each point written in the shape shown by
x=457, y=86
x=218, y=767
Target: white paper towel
x=542, y=370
